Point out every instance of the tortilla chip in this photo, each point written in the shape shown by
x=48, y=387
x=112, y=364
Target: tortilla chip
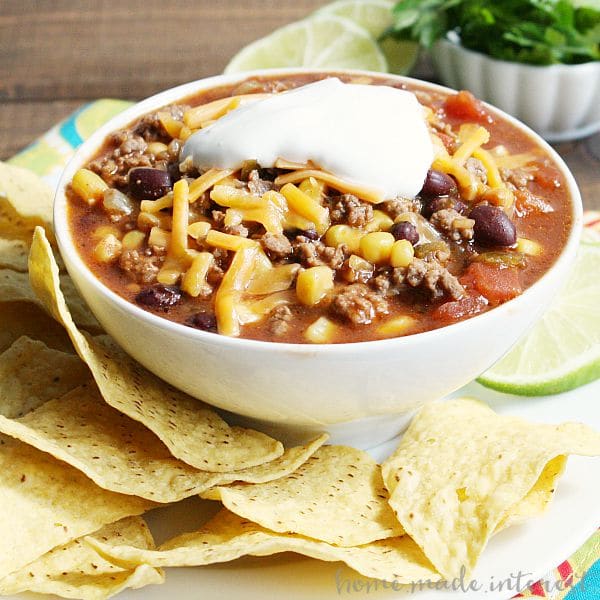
x=116, y=452
x=286, y=464
x=25, y=202
x=459, y=470
x=192, y=431
x=46, y=503
x=13, y=254
x=76, y=570
x=23, y=318
x=31, y=374
x=15, y=287
x=337, y=496
x=227, y=537
x=539, y=496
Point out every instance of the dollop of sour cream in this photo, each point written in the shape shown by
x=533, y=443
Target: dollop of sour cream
x=372, y=135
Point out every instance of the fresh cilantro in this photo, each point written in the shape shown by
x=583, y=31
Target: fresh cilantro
x=539, y=32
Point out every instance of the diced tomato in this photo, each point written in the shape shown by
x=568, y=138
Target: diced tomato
x=498, y=284
x=547, y=177
x=466, y=107
x=470, y=305
x=526, y=203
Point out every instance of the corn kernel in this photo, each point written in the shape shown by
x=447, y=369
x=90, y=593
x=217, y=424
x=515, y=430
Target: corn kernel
x=156, y=148
x=198, y=230
x=379, y=222
x=376, y=247
x=313, y=284
x=88, y=186
x=103, y=230
x=322, y=331
x=194, y=281
x=108, y=249
x=133, y=239
x=159, y=237
x=402, y=253
x=170, y=272
x=146, y=221
x=397, y=326
x=171, y=125
x=529, y=247
x=344, y=234
x=313, y=188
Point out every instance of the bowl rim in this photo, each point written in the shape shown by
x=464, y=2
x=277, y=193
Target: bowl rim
x=91, y=146
x=452, y=40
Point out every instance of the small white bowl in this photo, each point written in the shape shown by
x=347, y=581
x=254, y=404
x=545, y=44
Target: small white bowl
x=560, y=102
x=362, y=393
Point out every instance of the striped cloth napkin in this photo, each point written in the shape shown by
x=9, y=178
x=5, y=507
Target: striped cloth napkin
x=577, y=578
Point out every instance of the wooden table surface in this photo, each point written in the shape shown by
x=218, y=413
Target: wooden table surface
x=57, y=54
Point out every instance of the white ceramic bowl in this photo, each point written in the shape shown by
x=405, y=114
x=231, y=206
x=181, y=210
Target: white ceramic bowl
x=560, y=102
x=363, y=393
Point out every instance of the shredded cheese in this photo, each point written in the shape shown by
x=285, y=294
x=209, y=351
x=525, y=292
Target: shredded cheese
x=471, y=137
x=181, y=211
x=206, y=181
x=342, y=185
x=199, y=116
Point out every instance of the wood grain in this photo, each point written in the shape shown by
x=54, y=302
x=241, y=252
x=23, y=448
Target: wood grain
x=57, y=54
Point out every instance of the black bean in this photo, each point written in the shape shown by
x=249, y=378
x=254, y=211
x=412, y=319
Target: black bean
x=159, y=297
x=492, y=226
x=403, y=230
x=437, y=184
x=203, y=320
x=146, y=183
x=311, y=234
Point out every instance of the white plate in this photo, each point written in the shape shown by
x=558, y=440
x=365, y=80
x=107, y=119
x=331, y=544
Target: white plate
x=532, y=549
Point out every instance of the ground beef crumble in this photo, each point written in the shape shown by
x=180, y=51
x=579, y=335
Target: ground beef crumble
x=279, y=320
x=453, y=224
x=358, y=304
x=142, y=266
x=258, y=186
x=276, y=245
x=429, y=276
x=348, y=209
x=314, y=253
x=396, y=207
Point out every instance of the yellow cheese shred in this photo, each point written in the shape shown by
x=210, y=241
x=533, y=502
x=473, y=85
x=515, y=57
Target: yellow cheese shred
x=178, y=243
x=199, y=116
x=348, y=187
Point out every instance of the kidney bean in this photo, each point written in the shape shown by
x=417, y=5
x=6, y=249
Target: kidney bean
x=146, y=183
x=203, y=320
x=492, y=226
x=159, y=297
x=403, y=230
x=437, y=184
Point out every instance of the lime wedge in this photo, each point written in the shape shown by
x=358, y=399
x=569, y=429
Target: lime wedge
x=562, y=351
x=321, y=41
x=376, y=16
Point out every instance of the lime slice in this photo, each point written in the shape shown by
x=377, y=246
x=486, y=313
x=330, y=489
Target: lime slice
x=376, y=16
x=562, y=351
x=319, y=42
